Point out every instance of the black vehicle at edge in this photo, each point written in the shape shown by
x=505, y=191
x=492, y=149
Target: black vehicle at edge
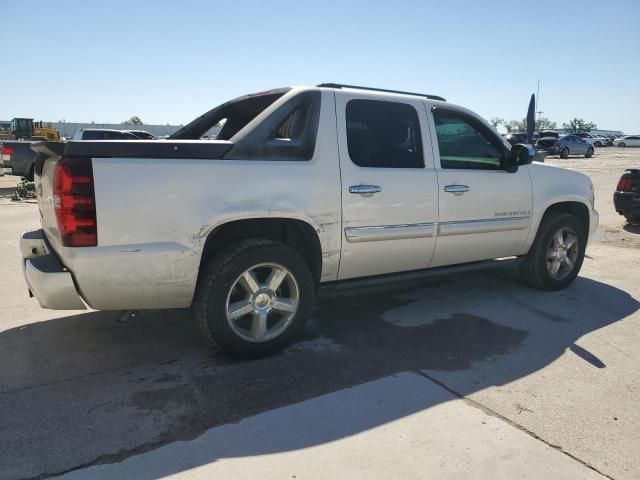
x=626, y=198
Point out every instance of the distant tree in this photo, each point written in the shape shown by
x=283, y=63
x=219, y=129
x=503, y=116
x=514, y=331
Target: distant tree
x=543, y=123
x=495, y=121
x=578, y=125
x=516, y=126
x=135, y=120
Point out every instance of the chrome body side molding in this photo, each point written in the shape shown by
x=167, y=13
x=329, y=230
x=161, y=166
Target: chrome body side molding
x=483, y=226
x=427, y=230
x=389, y=232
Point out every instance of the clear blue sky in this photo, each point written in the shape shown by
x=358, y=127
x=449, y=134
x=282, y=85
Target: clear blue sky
x=169, y=61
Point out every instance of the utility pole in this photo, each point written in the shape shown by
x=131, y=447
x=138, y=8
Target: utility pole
x=539, y=112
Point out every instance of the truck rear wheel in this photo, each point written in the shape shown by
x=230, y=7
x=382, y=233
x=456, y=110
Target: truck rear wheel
x=557, y=253
x=254, y=297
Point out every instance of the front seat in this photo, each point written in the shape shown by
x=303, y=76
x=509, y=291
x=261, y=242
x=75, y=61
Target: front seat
x=390, y=137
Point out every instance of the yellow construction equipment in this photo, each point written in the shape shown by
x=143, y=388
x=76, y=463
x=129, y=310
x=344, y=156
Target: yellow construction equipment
x=27, y=129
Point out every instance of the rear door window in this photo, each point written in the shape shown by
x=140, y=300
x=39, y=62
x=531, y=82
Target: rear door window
x=383, y=134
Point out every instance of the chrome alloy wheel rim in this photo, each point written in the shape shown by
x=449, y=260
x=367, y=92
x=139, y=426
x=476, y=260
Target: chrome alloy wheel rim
x=262, y=302
x=562, y=253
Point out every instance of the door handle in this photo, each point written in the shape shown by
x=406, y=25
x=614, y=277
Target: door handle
x=456, y=188
x=366, y=190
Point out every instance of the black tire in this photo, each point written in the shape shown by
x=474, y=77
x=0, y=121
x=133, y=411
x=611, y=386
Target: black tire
x=589, y=153
x=534, y=269
x=217, y=280
x=564, y=153
x=597, y=144
x=621, y=144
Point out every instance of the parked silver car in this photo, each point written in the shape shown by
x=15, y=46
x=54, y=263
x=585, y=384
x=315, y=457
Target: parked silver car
x=565, y=146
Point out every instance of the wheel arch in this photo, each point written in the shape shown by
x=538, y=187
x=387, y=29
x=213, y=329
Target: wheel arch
x=571, y=205
x=297, y=234
x=575, y=208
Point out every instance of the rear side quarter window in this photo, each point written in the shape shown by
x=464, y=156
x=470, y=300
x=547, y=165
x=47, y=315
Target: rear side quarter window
x=288, y=133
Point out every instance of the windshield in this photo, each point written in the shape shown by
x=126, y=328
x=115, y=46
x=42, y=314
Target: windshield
x=230, y=117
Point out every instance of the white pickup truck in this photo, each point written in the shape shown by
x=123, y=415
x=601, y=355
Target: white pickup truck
x=304, y=187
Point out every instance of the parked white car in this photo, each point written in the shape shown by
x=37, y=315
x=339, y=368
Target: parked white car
x=306, y=187
x=627, y=141
x=595, y=140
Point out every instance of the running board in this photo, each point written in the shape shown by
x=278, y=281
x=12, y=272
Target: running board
x=414, y=275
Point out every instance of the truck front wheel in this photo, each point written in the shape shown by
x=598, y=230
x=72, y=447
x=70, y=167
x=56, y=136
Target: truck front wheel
x=557, y=253
x=254, y=297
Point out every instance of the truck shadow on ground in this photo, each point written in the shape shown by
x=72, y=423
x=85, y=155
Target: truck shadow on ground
x=85, y=389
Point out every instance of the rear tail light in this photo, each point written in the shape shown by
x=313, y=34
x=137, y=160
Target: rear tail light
x=75, y=202
x=624, y=184
x=6, y=150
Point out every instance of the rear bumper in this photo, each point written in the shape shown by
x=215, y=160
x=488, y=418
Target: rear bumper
x=47, y=278
x=627, y=203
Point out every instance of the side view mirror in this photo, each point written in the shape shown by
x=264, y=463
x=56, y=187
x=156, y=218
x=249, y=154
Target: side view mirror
x=520, y=154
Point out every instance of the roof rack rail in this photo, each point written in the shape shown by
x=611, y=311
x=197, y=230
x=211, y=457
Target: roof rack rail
x=340, y=85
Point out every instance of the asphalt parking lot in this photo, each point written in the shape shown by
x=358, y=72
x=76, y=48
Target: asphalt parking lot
x=472, y=376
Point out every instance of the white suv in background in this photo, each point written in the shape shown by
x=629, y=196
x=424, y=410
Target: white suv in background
x=627, y=141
